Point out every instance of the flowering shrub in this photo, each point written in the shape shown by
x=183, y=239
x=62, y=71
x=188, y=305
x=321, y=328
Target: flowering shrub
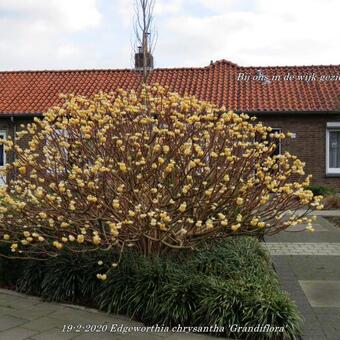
x=152, y=170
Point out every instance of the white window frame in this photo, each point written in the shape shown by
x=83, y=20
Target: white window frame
x=331, y=126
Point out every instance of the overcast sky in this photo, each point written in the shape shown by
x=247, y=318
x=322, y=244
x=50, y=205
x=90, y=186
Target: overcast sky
x=78, y=34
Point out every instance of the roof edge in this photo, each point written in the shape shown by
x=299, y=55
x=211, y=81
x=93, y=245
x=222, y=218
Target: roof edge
x=334, y=112
x=20, y=114
x=132, y=70
x=102, y=70
x=290, y=112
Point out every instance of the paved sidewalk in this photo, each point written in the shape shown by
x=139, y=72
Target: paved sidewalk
x=335, y=212
x=304, y=248
x=309, y=268
x=26, y=317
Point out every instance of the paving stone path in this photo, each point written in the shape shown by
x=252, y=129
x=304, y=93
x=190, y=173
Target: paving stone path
x=26, y=317
x=304, y=248
x=308, y=265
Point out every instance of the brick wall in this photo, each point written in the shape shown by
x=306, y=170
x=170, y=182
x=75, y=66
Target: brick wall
x=310, y=142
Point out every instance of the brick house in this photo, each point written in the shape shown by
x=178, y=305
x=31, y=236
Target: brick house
x=308, y=108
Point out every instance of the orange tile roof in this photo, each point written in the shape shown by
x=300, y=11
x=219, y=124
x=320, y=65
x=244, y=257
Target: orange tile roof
x=32, y=92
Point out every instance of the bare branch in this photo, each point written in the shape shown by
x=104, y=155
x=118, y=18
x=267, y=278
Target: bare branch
x=144, y=33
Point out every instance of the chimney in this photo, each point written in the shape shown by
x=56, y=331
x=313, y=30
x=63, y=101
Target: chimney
x=139, y=60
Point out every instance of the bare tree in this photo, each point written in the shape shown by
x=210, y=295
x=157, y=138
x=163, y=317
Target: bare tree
x=145, y=34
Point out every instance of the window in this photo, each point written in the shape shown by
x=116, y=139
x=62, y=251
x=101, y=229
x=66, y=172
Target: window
x=333, y=148
x=275, y=141
x=3, y=135
x=2, y=149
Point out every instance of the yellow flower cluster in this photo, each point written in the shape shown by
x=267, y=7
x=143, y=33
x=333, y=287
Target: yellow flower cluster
x=151, y=170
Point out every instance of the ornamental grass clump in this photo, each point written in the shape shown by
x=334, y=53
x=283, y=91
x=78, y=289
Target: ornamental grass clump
x=230, y=285
x=150, y=170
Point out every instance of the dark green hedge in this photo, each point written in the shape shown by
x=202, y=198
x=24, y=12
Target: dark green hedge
x=229, y=283
x=321, y=190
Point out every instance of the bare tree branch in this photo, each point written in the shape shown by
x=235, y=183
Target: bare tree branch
x=144, y=33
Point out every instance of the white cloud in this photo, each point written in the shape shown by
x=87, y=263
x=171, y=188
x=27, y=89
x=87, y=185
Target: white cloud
x=127, y=9
x=67, y=51
x=36, y=34
x=168, y=7
x=289, y=32
x=32, y=32
x=217, y=5
x=70, y=15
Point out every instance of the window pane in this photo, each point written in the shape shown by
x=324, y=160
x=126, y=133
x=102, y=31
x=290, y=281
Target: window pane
x=2, y=154
x=275, y=141
x=334, y=149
